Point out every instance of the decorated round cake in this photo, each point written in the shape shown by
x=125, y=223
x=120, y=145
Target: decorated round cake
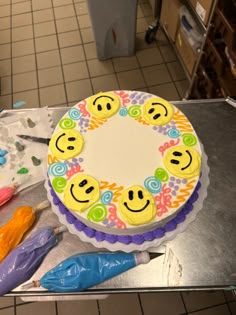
x=123, y=162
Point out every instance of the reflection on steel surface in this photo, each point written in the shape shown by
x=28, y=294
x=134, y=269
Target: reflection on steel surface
x=172, y=269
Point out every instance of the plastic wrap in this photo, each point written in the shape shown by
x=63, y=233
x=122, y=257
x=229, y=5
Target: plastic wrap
x=190, y=28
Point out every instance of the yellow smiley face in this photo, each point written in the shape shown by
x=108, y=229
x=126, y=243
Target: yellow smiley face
x=136, y=205
x=183, y=162
x=157, y=111
x=81, y=192
x=104, y=105
x=66, y=144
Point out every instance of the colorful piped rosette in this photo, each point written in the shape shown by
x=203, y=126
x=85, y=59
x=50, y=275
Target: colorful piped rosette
x=89, y=200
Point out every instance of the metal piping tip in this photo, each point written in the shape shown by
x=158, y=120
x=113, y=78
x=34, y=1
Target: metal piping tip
x=155, y=255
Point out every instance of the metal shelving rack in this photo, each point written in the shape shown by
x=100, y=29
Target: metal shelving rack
x=177, y=53
x=196, y=17
x=205, y=31
x=200, y=52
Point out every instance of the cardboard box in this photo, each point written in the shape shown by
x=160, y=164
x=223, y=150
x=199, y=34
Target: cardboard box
x=170, y=17
x=203, y=9
x=188, y=55
x=153, y=4
x=193, y=2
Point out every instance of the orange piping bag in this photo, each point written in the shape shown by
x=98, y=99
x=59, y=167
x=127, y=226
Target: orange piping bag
x=13, y=231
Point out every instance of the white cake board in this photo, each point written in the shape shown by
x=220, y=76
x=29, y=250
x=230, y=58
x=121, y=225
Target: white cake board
x=197, y=206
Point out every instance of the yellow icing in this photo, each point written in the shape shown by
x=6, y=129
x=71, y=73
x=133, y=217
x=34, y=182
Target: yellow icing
x=81, y=192
x=136, y=205
x=183, y=161
x=66, y=144
x=104, y=105
x=157, y=111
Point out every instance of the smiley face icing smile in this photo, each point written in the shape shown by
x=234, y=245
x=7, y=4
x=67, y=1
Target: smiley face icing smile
x=138, y=210
x=81, y=192
x=66, y=144
x=157, y=111
x=104, y=105
x=69, y=147
x=176, y=153
x=183, y=161
x=136, y=205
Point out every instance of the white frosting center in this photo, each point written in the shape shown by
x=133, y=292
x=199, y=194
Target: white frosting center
x=122, y=151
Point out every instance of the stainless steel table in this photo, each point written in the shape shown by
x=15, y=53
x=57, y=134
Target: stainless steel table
x=206, y=250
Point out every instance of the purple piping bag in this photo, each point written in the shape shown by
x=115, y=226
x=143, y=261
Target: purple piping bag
x=23, y=261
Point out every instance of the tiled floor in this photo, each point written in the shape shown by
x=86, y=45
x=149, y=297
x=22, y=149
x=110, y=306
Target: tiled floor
x=198, y=303
x=48, y=58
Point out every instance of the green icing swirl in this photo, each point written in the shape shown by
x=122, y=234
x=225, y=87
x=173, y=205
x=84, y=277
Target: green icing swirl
x=134, y=111
x=67, y=123
x=189, y=139
x=161, y=174
x=59, y=183
x=97, y=213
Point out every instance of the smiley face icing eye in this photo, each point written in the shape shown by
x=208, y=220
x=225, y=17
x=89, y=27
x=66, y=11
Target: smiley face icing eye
x=136, y=205
x=66, y=144
x=157, y=111
x=140, y=194
x=81, y=192
x=174, y=161
x=103, y=105
x=89, y=190
x=176, y=153
x=159, y=104
x=70, y=147
x=131, y=195
x=83, y=183
x=151, y=111
x=183, y=161
x=156, y=116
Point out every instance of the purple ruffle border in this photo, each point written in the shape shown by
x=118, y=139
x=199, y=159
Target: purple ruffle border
x=137, y=239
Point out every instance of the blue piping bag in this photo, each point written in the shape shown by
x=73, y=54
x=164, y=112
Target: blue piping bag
x=83, y=271
x=23, y=261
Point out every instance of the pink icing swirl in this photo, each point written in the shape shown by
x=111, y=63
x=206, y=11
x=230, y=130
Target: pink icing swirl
x=167, y=145
x=73, y=170
x=82, y=108
x=114, y=218
x=163, y=200
x=124, y=96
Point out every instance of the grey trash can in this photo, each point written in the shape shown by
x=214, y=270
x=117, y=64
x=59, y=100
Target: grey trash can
x=114, y=27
